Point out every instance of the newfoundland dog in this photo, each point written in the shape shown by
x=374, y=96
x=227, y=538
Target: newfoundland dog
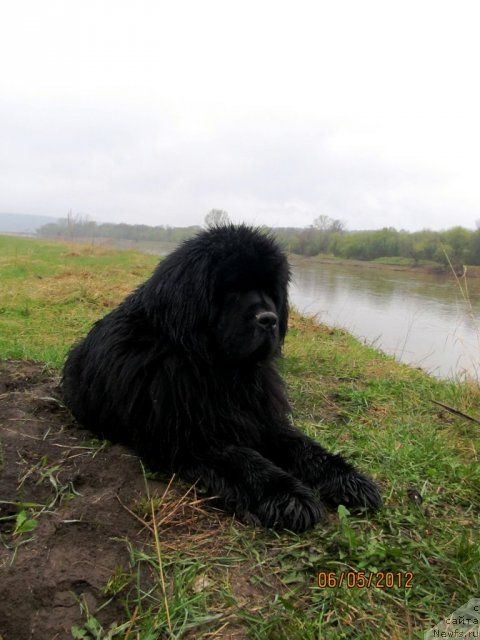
x=183, y=371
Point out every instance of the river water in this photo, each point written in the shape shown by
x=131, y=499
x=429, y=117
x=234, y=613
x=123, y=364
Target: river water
x=423, y=320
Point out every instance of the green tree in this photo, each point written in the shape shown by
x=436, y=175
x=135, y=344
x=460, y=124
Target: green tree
x=458, y=242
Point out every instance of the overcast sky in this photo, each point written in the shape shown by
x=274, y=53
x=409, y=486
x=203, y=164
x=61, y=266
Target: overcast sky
x=156, y=112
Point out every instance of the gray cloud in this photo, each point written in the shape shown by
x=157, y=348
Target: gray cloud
x=136, y=165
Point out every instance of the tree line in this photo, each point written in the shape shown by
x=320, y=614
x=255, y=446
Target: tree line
x=458, y=246
x=77, y=227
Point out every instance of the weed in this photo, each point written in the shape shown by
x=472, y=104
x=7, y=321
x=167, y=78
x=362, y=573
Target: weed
x=93, y=629
x=24, y=524
x=118, y=581
x=45, y=473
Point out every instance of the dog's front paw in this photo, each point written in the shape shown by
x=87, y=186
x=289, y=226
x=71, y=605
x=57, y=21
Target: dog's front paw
x=352, y=489
x=296, y=511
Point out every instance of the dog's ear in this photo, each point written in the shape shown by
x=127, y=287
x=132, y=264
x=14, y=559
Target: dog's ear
x=177, y=297
x=277, y=278
x=283, y=318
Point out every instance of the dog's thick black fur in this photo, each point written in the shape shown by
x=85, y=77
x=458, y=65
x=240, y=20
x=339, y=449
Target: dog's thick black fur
x=184, y=372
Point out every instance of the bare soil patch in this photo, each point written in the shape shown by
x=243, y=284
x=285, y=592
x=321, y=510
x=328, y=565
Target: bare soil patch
x=79, y=490
x=87, y=499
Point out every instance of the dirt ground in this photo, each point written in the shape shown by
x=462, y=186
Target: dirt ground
x=68, y=505
x=80, y=495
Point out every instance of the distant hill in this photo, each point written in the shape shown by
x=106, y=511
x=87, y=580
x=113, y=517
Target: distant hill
x=20, y=223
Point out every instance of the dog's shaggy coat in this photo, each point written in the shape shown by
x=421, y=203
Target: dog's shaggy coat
x=184, y=372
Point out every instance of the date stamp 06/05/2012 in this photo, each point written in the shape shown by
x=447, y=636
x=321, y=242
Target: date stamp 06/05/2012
x=365, y=580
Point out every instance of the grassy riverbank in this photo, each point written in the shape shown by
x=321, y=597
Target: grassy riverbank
x=392, y=264
x=226, y=580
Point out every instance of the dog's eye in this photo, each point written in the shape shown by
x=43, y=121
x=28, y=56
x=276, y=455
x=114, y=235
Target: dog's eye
x=232, y=296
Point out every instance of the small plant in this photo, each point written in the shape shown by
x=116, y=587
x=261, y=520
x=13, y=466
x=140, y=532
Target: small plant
x=46, y=472
x=117, y=582
x=347, y=530
x=24, y=524
x=93, y=629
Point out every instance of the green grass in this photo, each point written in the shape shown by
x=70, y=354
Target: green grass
x=50, y=293
x=351, y=398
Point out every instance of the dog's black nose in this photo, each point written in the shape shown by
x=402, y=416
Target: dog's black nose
x=267, y=319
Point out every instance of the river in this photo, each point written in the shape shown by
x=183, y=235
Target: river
x=423, y=320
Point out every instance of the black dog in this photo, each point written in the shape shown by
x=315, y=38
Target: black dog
x=183, y=371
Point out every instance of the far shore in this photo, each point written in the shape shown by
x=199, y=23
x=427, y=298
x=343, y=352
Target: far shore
x=431, y=269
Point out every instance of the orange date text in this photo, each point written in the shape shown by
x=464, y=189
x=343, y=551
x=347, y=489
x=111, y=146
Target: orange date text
x=365, y=580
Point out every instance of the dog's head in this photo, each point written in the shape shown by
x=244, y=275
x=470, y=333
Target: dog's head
x=225, y=292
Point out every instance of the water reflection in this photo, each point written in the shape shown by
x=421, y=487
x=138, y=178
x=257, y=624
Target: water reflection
x=421, y=319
